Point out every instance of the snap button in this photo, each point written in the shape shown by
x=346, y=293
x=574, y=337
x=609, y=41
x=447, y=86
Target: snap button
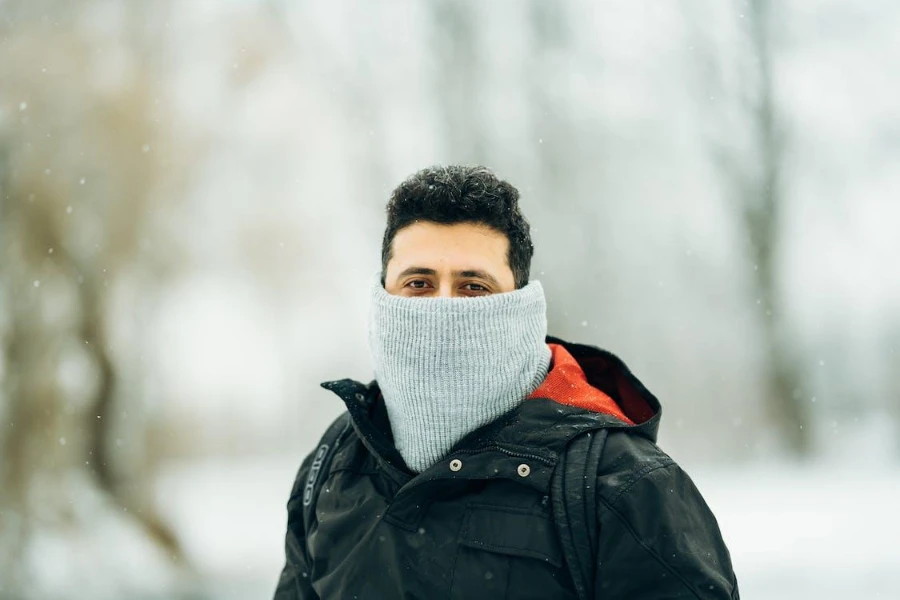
x=455, y=465
x=524, y=470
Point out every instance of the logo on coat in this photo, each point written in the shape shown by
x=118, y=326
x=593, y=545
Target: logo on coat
x=321, y=453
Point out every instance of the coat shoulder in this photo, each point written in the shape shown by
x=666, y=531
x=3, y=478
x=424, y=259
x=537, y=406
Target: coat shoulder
x=663, y=527
x=627, y=458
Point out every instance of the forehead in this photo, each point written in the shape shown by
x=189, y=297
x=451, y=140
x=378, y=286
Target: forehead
x=434, y=241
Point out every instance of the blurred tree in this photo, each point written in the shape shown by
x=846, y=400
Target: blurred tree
x=562, y=135
x=553, y=139
x=460, y=79
x=81, y=160
x=552, y=129
x=892, y=354
x=748, y=148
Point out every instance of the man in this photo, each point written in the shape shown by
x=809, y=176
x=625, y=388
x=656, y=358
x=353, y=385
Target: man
x=452, y=471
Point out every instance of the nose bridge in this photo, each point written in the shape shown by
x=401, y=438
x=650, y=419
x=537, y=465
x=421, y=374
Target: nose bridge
x=445, y=286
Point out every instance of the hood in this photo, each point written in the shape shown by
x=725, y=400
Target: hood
x=595, y=381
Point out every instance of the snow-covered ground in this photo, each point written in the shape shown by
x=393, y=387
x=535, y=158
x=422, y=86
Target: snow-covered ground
x=794, y=532
x=820, y=532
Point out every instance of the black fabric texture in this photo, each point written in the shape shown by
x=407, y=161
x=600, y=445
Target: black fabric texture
x=594, y=488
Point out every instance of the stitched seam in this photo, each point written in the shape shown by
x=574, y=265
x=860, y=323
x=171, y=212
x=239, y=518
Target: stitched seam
x=503, y=547
x=638, y=476
x=459, y=547
x=352, y=470
x=509, y=510
x=397, y=522
x=647, y=548
x=509, y=570
x=525, y=552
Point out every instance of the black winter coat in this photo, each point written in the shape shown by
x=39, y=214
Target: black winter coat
x=486, y=531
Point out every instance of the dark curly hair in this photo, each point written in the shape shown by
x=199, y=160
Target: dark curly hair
x=461, y=194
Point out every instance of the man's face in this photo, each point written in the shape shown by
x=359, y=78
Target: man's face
x=465, y=259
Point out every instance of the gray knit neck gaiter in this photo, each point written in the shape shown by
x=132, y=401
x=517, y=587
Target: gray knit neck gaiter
x=447, y=366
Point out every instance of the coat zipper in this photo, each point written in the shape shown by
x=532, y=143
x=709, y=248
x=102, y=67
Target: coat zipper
x=542, y=459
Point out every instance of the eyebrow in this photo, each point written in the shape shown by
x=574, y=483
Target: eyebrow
x=468, y=273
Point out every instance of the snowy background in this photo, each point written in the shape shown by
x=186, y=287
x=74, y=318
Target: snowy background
x=192, y=196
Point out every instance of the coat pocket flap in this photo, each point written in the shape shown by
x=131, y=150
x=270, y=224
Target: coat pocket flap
x=507, y=530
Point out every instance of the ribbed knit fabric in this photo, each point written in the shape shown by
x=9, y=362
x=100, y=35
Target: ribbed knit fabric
x=447, y=366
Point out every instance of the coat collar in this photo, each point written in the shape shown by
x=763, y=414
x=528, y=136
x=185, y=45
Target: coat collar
x=534, y=433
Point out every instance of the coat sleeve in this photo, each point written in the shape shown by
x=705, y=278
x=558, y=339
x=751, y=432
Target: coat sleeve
x=294, y=583
x=659, y=539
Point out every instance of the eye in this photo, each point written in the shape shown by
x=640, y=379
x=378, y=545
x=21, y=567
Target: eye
x=476, y=287
x=417, y=284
